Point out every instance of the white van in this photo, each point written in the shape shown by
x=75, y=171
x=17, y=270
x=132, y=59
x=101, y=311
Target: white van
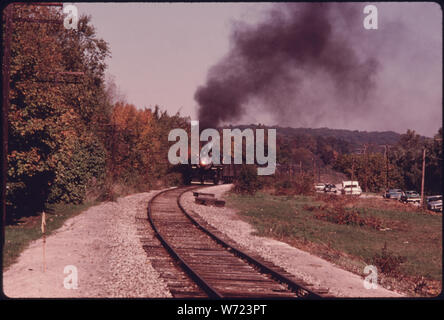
x=351, y=188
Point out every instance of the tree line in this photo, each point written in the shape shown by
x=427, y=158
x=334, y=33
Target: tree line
x=376, y=166
x=400, y=166
x=66, y=133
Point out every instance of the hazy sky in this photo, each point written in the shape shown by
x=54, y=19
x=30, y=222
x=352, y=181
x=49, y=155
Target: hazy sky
x=162, y=52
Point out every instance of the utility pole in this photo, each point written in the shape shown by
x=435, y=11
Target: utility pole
x=314, y=169
x=386, y=167
x=423, y=173
x=6, y=37
x=366, y=167
x=353, y=173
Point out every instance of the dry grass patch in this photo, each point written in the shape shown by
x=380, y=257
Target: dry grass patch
x=404, y=241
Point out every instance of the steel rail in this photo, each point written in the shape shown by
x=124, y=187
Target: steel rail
x=276, y=275
x=209, y=290
x=212, y=292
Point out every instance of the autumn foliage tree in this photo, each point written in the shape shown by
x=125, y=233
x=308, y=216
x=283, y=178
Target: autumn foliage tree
x=55, y=145
x=67, y=136
x=139, y=146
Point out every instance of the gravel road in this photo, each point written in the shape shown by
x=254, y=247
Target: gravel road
x=104, y=246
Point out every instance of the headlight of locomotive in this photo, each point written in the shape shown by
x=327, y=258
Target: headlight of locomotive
x=205, y=162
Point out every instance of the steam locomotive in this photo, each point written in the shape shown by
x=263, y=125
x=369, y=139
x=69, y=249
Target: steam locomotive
x=207, y=171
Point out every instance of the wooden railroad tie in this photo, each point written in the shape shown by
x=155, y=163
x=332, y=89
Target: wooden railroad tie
x=209, y=201
x=197, y=194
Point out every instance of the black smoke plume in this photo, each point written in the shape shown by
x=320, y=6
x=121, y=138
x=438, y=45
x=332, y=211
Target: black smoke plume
x=271, y=62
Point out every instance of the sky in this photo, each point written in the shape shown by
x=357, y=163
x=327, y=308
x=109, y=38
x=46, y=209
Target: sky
x=162, y=52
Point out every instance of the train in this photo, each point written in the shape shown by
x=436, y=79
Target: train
x=207, y=171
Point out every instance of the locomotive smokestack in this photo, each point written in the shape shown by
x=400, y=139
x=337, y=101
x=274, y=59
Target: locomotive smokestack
x=273, y=61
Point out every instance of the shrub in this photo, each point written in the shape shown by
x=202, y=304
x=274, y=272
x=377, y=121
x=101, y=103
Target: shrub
x=107, y=192
x=73, y=174
x=173, y=179
x=345, y=216
x=387, y=262
x=247, y=181
x=300, y=184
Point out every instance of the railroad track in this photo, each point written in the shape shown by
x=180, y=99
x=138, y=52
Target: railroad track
x=216, y=268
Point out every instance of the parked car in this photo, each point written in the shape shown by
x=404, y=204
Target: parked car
x=393, y=194
x=434, y=203
x=330, y=188
x=351, y=188
x=411, y=197
x=319, y=187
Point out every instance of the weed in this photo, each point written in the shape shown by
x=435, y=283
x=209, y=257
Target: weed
x=348, y=217
x=388, y=263
x=27, y=229
x=302, y=184
x=410, y=234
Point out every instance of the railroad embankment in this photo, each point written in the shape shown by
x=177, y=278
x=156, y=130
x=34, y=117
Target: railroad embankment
x=94, y=254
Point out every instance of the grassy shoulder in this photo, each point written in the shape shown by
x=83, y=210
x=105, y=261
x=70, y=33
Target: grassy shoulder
x=412, y=258
x=19, y=235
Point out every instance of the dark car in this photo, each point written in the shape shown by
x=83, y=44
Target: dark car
x=411, y=197
x=330, y=188
x=393, y=194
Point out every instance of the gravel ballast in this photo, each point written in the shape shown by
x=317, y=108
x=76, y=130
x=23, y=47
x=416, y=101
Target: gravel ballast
x=103, y=244
x=301, y=264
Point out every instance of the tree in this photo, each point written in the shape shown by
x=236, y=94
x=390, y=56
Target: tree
x=407, y=156
x=404, y=169
x=52, y=123
x=433, y=175
x=139, y=146
x=368, y=169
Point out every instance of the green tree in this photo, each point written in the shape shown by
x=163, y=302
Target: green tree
x=369, y=169
x=433, y=174
x=407, y=156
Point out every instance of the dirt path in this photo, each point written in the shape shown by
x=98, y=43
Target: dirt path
x=102, y=243
x=304, y=265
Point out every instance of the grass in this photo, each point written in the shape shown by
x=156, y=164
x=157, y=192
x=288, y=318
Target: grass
x=19, y=235
x=413, y=234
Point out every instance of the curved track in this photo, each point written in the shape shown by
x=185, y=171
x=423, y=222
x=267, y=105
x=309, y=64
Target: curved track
x=219, y=269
